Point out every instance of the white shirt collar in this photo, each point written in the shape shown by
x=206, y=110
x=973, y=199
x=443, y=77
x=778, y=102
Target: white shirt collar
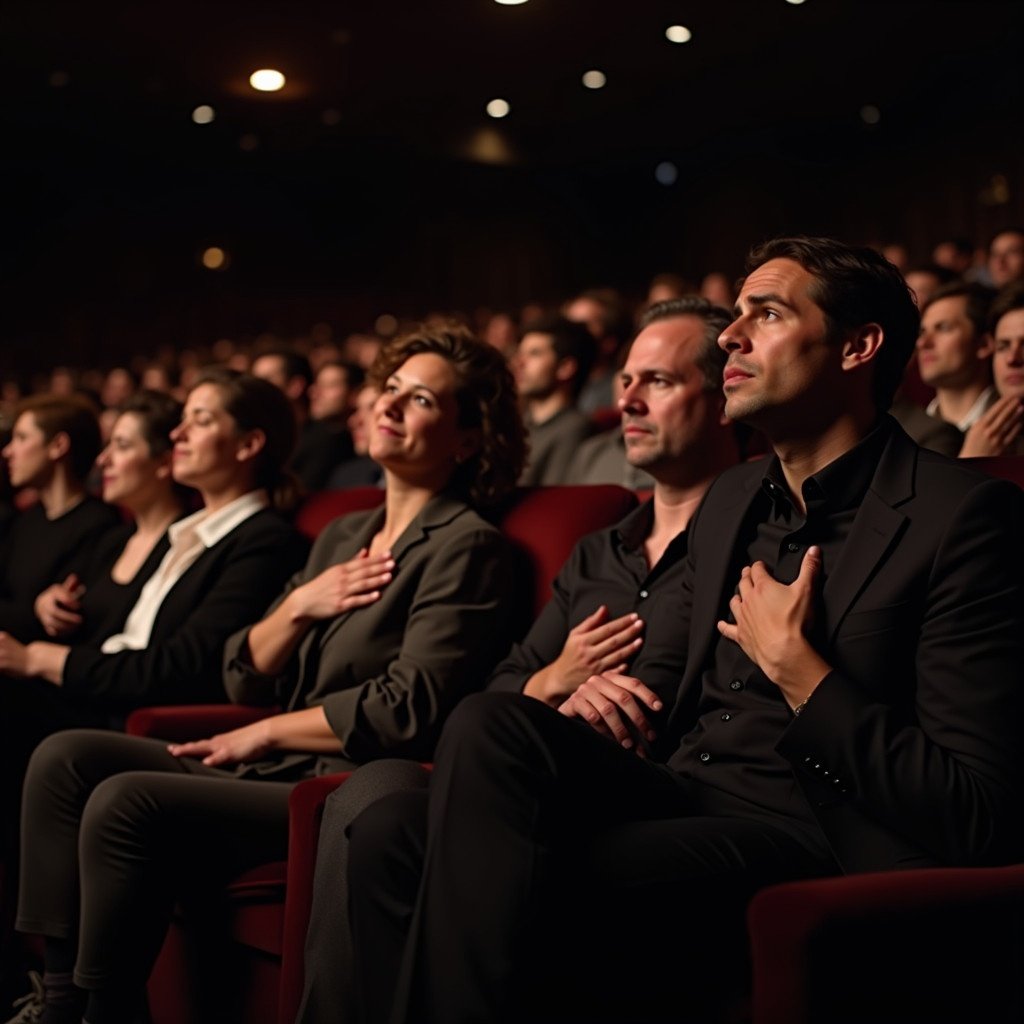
x=210, y=527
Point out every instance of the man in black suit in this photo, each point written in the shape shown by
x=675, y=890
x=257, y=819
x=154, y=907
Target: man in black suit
x=850, y=702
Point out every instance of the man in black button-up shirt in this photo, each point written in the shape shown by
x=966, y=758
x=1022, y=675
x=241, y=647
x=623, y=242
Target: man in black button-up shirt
x=854, y=618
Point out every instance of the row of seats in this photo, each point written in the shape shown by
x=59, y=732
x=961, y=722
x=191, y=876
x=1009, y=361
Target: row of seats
x=809, y=940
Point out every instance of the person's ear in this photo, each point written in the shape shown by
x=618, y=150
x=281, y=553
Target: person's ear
x=566, y=369
x=863, y=345
x=251, y=443
x=58, y=446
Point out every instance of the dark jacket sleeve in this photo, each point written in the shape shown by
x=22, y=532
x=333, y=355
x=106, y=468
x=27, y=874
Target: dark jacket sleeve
x=948, y=773
x=457, y=622
x=229, y=586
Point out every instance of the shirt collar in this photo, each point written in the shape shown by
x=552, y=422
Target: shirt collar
x=632, y=531
x=842, y=483
x=981, y=404
x=211, y=527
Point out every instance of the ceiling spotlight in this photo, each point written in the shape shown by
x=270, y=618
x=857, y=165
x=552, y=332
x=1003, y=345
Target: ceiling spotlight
x=498, y=108
x=678, y=34
x=666, y=173
x=203, y=114
x=870, y=114
x=266, y=80
x=794, y=2
x=214, y=258
x=594, y=79
x=510, y=3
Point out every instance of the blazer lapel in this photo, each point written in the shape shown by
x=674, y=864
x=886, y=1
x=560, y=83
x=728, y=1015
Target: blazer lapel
x=875, y=530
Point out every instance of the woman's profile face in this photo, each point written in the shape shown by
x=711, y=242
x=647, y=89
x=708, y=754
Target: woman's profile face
x=28, y=456
x=130, y=471
x=414, y=428
x=207, y=442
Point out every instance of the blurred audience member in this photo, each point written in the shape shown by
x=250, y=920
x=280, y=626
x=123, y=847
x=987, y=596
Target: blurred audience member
x=925, y=279
x=553, y=361
x=718, y=290
x=954, y=353
x=1006, y=257
x=955, y=255
x=52, y=448
x=667, y=286
x=608, y=319
x=360, y=470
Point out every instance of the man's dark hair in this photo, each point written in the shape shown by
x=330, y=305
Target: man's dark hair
x=978, y=301
x=1008, y=300
x=711, y=357
x=354, y=373
x=1009, y=229
x=855, y=285
x=295, y=363
x=569, y=340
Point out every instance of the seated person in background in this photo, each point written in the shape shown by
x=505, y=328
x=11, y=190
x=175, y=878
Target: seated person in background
x=314, y=455
x=551, y=366
x=52, y=448
x=1002, y=433
x=1006, y=257
x=925, y=279
x=607, y=316
x=154, y=630
x=954, y=356
x=614, y=595
x=850, y=702
x=360, y=470
x=398, y=614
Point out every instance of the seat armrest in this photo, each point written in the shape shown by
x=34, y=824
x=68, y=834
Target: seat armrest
x=180, y=723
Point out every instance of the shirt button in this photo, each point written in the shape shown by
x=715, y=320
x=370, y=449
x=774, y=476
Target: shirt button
x=736, y=684
x=705, y=757
x=644, y=593
x=793, y=547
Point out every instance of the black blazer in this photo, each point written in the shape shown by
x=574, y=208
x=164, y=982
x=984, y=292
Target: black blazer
x=229, y=586
x=910, y=752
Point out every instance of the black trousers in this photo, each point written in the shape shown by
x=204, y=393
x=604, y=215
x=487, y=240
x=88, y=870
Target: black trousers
x=535, y=877
x=114, y=828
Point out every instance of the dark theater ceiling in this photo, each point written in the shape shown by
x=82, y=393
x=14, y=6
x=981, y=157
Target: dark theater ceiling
x=377, y=161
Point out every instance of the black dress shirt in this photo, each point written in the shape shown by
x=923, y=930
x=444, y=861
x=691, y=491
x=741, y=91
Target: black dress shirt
x=609, y=568
x=741, y=713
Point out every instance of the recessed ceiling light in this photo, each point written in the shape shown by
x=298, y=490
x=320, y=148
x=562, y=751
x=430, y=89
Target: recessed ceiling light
x=794, y=2
x=666, y=173
x=214, y=258
x=870, y=114
x=594, y=79
x=203, y=114
x=498, y=108
x=678, y=34
x=510, y=3
x=266, y=80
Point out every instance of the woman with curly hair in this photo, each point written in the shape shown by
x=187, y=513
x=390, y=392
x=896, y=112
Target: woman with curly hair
x=398, y=613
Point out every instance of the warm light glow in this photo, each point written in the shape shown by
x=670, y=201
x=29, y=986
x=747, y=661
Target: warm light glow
x=203, y=114
x=214, y=258
x=678, y=34
x=385, y=325
x=666, y=173
x=266, y=80
x=249, y=143
x=794, y=2
x=594, y=79
x=331, y=117
x=510, y=3
x=59, y=79
x=498, y=108
x=870, y=114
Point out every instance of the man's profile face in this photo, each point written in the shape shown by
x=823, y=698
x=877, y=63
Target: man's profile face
x=330, y=394
x=948, y=346
x=1006, y=258
x=1008, y=355
x=666, y=408
x=779, y=357
x=536, y=364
